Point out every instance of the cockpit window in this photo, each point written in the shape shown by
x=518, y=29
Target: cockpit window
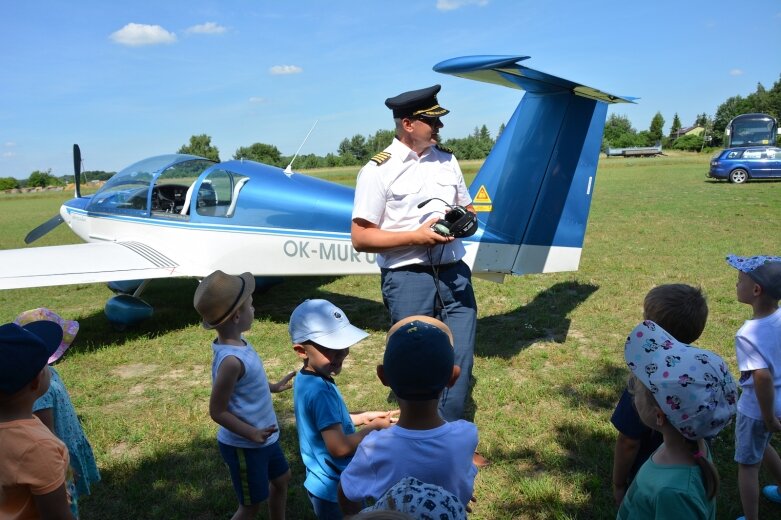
x=219, y=193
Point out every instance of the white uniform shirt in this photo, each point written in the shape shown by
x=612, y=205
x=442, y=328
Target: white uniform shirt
x=758, y=345
x=388, y=195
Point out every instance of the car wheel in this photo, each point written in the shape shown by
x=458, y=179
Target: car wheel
x=738, y=176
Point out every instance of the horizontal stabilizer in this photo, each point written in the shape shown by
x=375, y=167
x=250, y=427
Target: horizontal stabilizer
x=506, y=71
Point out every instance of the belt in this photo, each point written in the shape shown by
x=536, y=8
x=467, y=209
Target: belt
x=425, y=268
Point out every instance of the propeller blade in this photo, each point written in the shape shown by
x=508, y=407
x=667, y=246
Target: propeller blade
x=44, y=228
x=77, y=169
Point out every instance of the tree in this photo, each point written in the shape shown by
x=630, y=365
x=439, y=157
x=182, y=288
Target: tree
x=690, y=142
x=379, y=141
x=260, y=152
x=201, y=145
x=42, y=179
x=8, y=183
x=655, y=131
x=676, y=126
x=702, y=120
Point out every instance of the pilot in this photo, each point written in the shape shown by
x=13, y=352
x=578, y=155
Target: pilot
x=422, y=271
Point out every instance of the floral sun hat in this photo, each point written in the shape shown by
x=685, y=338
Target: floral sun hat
x=69, y=328
x=692, y=386
x=764, y=270
x=421, y=500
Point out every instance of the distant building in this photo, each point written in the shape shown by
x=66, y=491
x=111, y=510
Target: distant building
x=694, y=130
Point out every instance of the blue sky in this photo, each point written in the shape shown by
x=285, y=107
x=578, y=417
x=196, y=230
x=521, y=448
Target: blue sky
x=127, y=80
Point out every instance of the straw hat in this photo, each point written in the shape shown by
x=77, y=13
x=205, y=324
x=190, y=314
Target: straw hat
x=219, y=295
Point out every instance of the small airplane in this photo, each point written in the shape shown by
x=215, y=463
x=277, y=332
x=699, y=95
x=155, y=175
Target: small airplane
x=185, y=216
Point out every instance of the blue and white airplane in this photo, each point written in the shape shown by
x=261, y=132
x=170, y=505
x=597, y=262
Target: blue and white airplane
x=182, y=215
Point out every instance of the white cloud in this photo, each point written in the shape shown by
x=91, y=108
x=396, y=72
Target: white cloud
x=9, y=144
x=285, y=69
x=206, y=28
x=137, y=34
x=8, y=154
x=450, y=5
x=736, y=72
x=257, y=100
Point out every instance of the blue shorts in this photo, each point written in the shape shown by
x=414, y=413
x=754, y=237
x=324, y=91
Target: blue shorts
x=751, y=439
x=251, y=470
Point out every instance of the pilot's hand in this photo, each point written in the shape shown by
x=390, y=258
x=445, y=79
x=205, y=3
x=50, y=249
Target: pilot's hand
x=429, y=237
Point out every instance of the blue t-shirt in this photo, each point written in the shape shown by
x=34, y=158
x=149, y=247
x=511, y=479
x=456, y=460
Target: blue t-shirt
x=318, y=404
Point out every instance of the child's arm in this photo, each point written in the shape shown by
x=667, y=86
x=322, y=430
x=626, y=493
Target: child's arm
x=347, y=506
x=283, y=384
x=54, y=505
x=766, y=397
x=340, y=445
x=227, y=374
x=46, y=415
x=361, y=418
x=624, y=456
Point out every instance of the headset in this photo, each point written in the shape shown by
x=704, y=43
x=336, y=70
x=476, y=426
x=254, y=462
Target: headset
x=458, y=222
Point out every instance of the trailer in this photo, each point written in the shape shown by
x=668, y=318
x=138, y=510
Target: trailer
x=635, y=151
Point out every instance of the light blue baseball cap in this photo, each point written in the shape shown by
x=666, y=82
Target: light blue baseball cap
x=322, y=322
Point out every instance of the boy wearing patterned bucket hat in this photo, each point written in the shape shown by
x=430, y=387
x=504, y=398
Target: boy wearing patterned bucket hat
x=248, y=436
x=687, y=394
x=418, y=365
x=758, y=351
x=33, y=461
x=322, y=336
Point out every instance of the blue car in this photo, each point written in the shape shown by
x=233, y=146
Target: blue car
x=741, y=164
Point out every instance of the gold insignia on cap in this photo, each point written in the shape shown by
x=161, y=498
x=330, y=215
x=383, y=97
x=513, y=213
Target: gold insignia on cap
x=381, y=157
x=444, y=148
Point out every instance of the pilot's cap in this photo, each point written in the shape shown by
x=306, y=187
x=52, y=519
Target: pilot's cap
x=417, y=103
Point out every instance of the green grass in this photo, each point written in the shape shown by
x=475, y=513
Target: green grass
x=548, y=360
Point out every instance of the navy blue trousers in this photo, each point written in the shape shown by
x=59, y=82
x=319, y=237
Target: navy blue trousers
x=412, y=290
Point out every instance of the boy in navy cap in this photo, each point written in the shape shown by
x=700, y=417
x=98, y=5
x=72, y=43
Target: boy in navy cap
x=399, y=195
x=418, y=365
x=33, y=461
x=758, y=350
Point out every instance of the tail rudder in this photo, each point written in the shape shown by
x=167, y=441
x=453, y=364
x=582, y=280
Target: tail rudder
x=534, y=190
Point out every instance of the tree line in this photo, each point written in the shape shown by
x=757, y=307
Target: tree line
x=619, y=132
x=358, y=149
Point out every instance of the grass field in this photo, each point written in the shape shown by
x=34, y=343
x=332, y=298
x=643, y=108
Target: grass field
x=548, y=362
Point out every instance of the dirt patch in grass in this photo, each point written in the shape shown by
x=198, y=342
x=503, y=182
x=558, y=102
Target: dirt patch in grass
x=133, y=370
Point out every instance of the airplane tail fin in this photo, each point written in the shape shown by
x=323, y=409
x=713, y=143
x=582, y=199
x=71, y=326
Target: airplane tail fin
x=534, y=189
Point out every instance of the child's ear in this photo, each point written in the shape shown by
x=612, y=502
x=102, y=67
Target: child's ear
x=454, y=377
x=661, y=418
x=300, y=351
x=381, y=375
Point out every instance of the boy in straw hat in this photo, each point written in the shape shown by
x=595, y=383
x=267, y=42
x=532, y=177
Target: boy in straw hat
x=758, y=350
x=33, y=461
x=241, y=397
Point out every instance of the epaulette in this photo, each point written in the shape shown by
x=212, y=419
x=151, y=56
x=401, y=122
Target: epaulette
x=444, y=148
x=381, y=158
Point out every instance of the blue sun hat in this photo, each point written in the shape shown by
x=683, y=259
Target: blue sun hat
x=692, y=386
x=763, y=269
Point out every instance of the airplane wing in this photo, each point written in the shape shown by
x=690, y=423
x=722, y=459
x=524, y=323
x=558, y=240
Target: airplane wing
x=83, y=263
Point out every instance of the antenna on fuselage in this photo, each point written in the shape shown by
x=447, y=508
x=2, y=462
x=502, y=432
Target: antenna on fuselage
x=288, y=168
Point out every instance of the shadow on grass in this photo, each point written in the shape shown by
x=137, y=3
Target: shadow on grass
x=184, y=482
x=172, y=300
x=543, y=319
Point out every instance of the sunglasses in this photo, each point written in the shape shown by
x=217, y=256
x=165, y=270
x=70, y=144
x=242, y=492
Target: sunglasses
x=433, y=122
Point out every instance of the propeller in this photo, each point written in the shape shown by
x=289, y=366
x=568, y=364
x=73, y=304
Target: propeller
x=56, y=220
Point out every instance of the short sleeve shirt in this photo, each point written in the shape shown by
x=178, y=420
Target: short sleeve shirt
x=318, y=404
x=757, y=346
x=388, y=196
x=32, y=462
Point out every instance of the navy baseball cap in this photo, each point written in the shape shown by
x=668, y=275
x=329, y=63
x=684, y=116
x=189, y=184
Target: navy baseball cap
x=418, y=361
x=24, y=351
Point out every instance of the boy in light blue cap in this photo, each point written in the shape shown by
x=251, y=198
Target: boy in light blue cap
x=758, y=351
x=322, y=336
